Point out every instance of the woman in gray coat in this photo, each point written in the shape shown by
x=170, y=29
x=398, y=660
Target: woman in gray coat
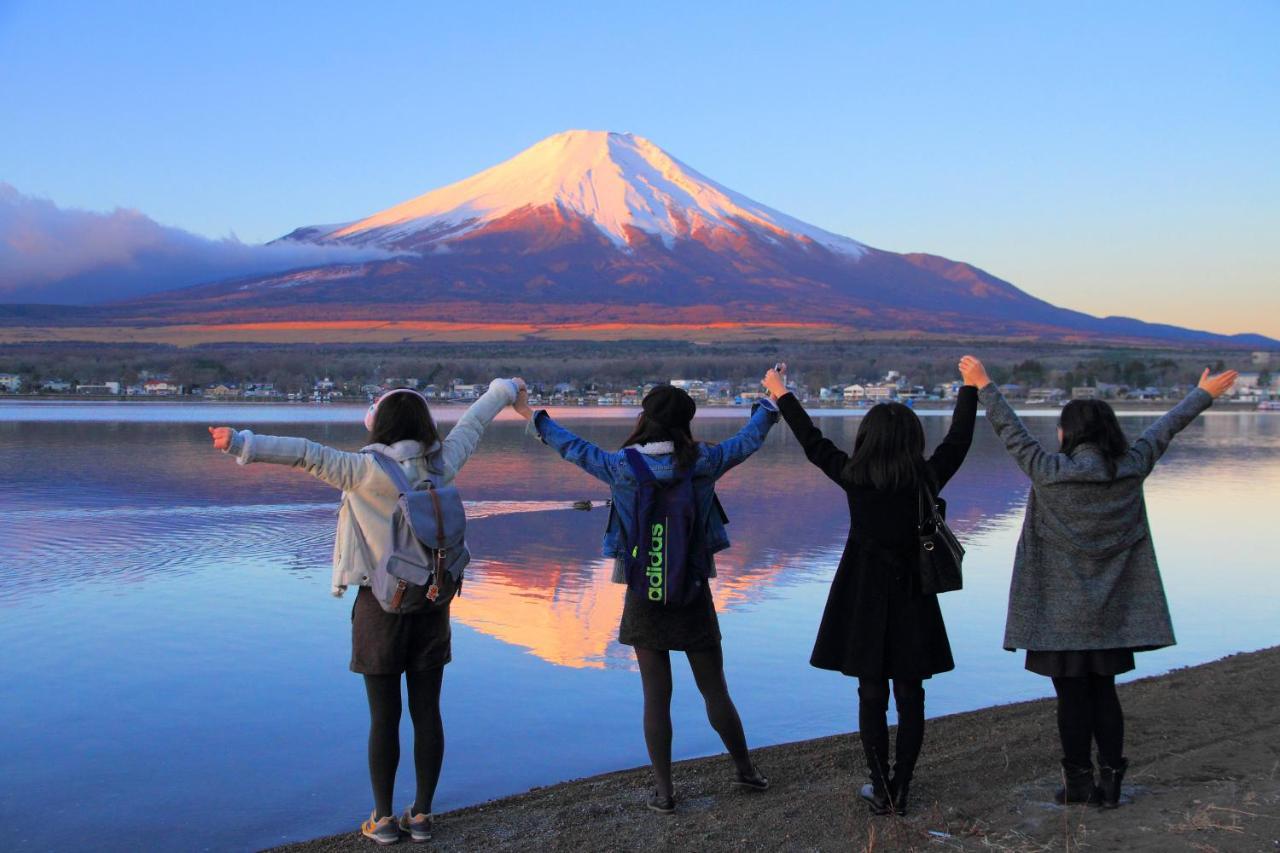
x=1086, y=591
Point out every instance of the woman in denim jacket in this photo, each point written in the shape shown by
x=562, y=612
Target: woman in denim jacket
x=662, y=435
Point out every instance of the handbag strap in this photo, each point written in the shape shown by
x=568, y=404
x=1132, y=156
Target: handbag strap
x=925, y=497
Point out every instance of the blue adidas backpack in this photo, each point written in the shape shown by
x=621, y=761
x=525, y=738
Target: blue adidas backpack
x=660, y=562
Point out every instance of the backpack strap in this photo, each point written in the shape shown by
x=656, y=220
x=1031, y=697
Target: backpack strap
x=392, y=469
x=636, y=459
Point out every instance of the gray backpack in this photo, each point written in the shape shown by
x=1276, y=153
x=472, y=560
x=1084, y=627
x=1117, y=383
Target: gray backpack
x=423, y=567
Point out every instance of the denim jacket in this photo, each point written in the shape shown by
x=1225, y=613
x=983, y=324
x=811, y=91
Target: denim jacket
x=611, y=467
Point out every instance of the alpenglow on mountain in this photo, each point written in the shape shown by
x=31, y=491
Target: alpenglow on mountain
x=593, y=227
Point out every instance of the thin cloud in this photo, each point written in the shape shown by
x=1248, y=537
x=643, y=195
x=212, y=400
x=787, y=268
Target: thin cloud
x=66, y=256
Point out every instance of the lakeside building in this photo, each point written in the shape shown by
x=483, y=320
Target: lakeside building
x=10, y=382
x=101, y=389
x=58, y=386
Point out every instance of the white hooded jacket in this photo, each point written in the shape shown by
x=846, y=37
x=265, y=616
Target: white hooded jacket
x=368, y=495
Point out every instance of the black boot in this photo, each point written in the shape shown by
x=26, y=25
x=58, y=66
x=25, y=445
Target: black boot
x=1079, y=786
x=1109, y=779
x=900, y=787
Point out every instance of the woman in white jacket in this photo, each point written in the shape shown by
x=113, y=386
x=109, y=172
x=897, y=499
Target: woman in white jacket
x=384, y=645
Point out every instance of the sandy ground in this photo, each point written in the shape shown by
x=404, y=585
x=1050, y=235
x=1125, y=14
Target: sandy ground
x=1203, y=742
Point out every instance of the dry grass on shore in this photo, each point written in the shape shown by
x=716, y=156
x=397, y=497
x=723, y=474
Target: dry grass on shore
x=1204, y=743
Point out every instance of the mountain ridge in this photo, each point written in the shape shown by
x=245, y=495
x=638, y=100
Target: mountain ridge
x=608, y=228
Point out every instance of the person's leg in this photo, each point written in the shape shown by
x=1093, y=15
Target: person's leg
x=708, y=672
x=655, y=677
x=1075, y=720
x=908, y=695
x=1075, y=728
x=873, y=727
x=384, y=739
x=1108, y=719
x=428, y=734
x=1108, y=730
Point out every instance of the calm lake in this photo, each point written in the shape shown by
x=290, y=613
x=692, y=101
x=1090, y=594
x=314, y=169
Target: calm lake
x=174, y=663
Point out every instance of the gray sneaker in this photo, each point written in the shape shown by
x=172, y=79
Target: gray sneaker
x=417, y=825
x=384, y=831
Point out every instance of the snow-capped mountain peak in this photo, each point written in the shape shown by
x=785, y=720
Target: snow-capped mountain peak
x=616, y=181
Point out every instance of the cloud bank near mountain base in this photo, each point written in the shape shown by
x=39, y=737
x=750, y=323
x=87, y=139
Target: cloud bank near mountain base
x=66, y=256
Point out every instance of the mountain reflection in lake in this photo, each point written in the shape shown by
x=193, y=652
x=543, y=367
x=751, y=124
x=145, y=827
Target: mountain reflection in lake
x=169, y=637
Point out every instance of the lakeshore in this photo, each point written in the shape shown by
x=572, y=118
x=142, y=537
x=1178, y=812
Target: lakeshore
x=1203, y=742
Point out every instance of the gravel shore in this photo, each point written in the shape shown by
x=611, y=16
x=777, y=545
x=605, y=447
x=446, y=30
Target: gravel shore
x=1203, y=742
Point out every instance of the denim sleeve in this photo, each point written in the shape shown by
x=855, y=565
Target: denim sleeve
x=719, y=458
x=601, y=464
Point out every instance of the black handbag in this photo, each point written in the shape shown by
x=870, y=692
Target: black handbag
x=940, y=555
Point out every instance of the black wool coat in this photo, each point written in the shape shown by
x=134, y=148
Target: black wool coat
x=876, y=623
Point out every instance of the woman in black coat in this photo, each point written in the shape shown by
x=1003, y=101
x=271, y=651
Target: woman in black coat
x=877, y=626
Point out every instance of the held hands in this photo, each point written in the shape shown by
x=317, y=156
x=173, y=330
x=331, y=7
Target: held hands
x=973, y=373
x=1217, y=385
x=775, y=381
x=521, y=405
x=222, y=437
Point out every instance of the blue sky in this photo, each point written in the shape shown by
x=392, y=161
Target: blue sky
x=1116, y=158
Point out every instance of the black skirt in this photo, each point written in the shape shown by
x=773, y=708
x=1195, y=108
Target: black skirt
x=385, y=643
x=1077, y=664
x=646, y=625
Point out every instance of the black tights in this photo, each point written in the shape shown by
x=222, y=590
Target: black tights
x=708, y=672
x=384, y=736
x=873, y=725
x=1089, y=710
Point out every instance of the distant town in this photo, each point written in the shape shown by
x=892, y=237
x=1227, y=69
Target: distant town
x=1260, y=386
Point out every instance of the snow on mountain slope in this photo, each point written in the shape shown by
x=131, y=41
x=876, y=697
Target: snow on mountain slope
x=616, y=181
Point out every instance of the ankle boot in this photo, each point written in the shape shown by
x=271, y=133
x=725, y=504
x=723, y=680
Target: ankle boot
x=1109, y=779
x=1079, y=786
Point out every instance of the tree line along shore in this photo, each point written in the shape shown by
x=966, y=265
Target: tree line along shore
x=1201, y=780
x=617, y=373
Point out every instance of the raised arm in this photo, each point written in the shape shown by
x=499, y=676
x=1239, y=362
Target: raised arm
x=1036, y=462
x=719, y=458
x=461, y=441
x=338, y=468
x=949, y=455
x=597, y=462
x=1152, y=444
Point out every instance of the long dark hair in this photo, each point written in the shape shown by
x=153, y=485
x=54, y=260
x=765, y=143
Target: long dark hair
x=403, y=416
x=648, y=430
x=888, y=452
x=1092, y=422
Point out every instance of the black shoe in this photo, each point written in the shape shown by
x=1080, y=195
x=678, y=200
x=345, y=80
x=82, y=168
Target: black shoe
x=1109, y=779
x=755, y=782
x=1079, y=786
x=662, y=805
x=877, y=798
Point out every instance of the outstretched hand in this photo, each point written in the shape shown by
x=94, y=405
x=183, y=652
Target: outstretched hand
x=222, y=437
x=1217, y=385
x=973, y=372
x=775, y=382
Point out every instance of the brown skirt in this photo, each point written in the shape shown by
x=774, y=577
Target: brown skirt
x=684, y=629
x=385, y=643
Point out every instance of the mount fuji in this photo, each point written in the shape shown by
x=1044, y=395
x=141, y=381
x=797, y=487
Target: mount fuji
x=598, y=228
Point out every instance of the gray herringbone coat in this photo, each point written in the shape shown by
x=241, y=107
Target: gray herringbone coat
x=1085, y=574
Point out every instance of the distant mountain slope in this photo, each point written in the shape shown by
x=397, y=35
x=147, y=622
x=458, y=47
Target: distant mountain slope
x=598, y=227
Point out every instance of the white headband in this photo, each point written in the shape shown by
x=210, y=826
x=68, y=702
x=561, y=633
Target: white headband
x=373, y=408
